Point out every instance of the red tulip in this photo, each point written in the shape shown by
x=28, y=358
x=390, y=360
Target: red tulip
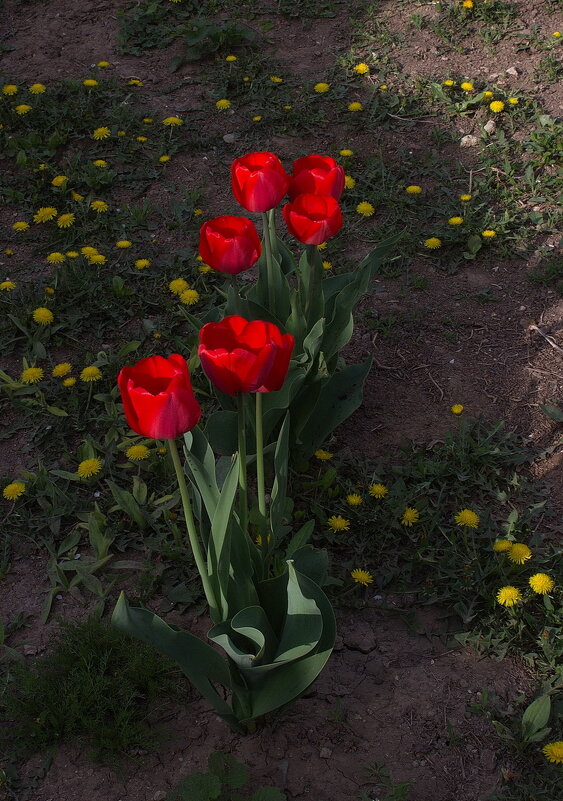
x=312, y=219
x=242, y=356
x=317, y=175
x=229, y=244
x=158, y=398
x=259, y=181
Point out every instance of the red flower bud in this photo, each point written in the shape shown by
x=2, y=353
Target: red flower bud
x=259, y=181
x=158, y=398
x=312, y=219
x=242, y=356
x=229, y=244
x=317, y=175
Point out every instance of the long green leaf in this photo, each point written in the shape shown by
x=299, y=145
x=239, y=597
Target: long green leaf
x=127, y=503
x=279, y=487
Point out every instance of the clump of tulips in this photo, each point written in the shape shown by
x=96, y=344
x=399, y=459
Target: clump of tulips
x=277, y=349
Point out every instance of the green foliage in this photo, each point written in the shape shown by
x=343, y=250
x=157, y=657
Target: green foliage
x=224, y=778
x=96, y=686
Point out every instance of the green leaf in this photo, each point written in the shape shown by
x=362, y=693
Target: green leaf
x=279, y=487
x=197, y=787
x=229, y=771
x=127, y=503
x=552, y=411
x=221, y=431
x=300, y=538
x=56, y=411
x=268, y=794
x=536, y=716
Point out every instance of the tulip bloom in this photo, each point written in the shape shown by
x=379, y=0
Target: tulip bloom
x=158, y=398
x=259, y=181
x=242, y=356
x=312, y=219
x=317, y=175
x=229, y=244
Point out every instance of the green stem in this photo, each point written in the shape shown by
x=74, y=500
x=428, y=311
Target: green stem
x=273, y=235
x=192, y=533
x=238, y=308
x=243, y=507
x=260, y=457
x=269, y=262
x=314, y=287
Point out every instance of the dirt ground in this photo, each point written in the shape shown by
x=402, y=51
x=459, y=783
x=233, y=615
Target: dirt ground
x=390, y=694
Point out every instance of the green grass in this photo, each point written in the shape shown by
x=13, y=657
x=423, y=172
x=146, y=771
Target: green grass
x=96, y=687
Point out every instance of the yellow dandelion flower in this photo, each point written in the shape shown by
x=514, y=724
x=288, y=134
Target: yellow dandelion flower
x=362, y=577
x=346, y=152
x=365, y=209
x=31, y=375
x=488, y=233
x=322, y=455
x=497, y=106
x=327, y=265
x=76, y=195
x=223, y=104
x=198, y=212
x=500, y=546
x=137, y=452
x=134, y=82
x=230, y=59
x=90, y=373
x=448, y=82
x=322, y=246
x=383, y=87
x=519, y=553
x=338, y=523
x=321, y=88
x=354, y=499
x=87, y=251
x=7, y=286
x=141, y=138
x=9, y=252
x=97, y=258
x=204, y=268
x=171, y=122
x=21, y=225
x=90, y=83
x=69, y=382
x=553, y=752
x=509, y=596
x=148, y=120
x=189, y=297
x=557, y=34
x=355, y=106
x=99, y=206
x=122, y=133
x=410, y=516
x=103, y=64
x=541, y=583
x=256, y=118
x=55, y=258
x=9, y=89
x=142, y=264
x=468, y=518
x=413, y=189
x=100, y=163
x=62, y=369
x=43, y=316
x=349, y=182
x=467, y=4
x=89, y=467
x=467, y=86
x=72, y=254
x=457, y=408
x=164, y=159
x=23, y=108
x=123, y=244
x=488, y=95
x=513, y=101
x=103, y=132
x=455, y=221
x=378, y=490
x=433, y=243
x=465, y=198
x=49, y=290
x=65, y=220
x=178, y=285
x=276, y=79
x=44, y=214
x=361, y=69
x=37, y=88
x=13, y=491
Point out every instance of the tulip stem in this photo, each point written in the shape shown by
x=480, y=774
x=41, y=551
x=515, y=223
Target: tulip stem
x=192, y=533
x=269, y=262
x=236, y=295
x=243, y=514
x=260, y=457
x=273, y=235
